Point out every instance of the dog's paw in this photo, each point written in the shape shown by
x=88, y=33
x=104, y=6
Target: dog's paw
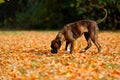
x=68, y=50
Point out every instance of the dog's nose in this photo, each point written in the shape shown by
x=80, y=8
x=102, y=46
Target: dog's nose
x=54, y=51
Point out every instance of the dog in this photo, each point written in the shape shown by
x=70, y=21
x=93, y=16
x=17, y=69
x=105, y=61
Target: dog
x=72, y=31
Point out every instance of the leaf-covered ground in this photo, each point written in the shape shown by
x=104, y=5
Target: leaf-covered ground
x=25, y=55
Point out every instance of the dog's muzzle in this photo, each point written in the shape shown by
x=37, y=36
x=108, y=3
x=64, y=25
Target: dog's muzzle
x=54, y=51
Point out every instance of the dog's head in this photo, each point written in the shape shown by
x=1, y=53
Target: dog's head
x=55, y=45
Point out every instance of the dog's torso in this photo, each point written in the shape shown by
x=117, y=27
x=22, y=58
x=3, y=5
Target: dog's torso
x=74, y=30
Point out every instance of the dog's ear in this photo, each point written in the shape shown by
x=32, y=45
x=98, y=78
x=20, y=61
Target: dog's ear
x=59, y=42
x=52, y=43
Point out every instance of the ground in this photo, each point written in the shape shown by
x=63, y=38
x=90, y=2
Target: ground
x=25, y=55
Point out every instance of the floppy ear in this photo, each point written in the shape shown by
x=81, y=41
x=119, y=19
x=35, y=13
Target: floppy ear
x=59, y=42
x=52, y=43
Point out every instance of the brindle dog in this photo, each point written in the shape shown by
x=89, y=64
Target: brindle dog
x=74, y=30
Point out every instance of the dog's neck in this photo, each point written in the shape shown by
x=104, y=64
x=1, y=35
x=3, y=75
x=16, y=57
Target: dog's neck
x=61, y=37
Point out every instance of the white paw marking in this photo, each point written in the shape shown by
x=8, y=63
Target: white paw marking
x=83, y=50
x=68, y=50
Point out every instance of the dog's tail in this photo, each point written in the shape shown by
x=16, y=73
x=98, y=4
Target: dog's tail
x=101, y=20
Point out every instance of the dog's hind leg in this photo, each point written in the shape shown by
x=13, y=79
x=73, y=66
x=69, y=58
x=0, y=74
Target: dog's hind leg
x=87, y=37
x=94, y=38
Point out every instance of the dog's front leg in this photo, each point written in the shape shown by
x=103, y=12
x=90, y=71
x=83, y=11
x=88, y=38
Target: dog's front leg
x=66, y=46
x=72, y=47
